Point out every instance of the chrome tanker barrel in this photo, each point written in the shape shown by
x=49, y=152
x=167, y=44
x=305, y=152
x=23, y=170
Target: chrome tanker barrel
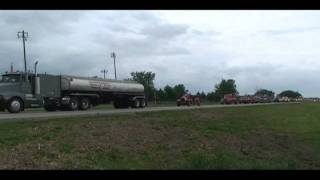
x=73, y=83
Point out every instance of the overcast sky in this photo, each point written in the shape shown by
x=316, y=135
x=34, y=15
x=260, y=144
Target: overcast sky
x=276, y=50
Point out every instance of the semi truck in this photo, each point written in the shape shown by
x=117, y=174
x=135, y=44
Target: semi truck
x=20, y=90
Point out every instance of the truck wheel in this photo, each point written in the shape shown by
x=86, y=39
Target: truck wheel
x=136, y=103
x=142, y=103
x=116, y=104
x=14, y=105
x=85, y=104
x=74, y=104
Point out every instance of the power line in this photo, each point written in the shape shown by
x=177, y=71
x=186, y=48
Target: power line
x=104, y=73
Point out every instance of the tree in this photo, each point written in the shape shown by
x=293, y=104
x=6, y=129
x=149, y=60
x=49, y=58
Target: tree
x=290, y=94
x=203, y=95
x=225, y=87
x=170, y=94
x=146, y=79
x=212, y=96
x=264, y=92
x=161, y=95
x=179, y=90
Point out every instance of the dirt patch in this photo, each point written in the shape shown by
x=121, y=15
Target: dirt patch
x=31, y=156
x=130, y=136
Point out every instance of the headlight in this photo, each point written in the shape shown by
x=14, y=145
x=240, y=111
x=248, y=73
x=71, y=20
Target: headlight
x=65, y=98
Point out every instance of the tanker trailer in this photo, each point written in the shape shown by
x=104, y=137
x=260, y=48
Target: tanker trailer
x=80, y=93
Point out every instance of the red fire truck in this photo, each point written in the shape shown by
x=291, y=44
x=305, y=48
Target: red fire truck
x=188, y=100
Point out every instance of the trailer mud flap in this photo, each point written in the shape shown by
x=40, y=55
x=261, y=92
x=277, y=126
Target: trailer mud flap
x=2, y=104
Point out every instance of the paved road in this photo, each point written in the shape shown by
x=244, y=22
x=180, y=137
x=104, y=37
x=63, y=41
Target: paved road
x=57, y=114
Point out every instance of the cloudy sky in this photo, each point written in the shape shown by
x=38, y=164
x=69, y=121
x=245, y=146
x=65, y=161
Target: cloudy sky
x=277, y=50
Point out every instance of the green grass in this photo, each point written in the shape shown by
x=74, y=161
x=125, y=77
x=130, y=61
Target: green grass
x=282, y=136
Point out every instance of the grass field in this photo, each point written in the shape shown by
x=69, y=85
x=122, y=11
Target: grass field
x=260, y=137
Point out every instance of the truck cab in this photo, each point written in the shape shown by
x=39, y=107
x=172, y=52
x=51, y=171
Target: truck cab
x=229, y=99
x=17, y=92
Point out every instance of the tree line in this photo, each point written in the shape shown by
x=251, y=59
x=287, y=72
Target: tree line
x=171, y=93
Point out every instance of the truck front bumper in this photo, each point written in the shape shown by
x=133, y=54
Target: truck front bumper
x=2, y=103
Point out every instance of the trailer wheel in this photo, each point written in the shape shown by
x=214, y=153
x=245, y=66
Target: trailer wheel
x=136, y=103
x=14, y=105
x=74, y=104
x=116, y=104
x=84, y=104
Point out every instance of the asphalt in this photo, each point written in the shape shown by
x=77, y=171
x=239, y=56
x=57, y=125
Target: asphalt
x=58, y=114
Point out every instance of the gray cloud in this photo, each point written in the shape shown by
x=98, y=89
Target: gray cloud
x=292, y=30
x=164, y=31
x=39, y=24
x=147, y=40
x=62, y=48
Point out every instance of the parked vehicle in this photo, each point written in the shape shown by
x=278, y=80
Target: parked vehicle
x=62, y=92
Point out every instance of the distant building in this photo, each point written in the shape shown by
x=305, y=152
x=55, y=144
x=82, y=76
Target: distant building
x=311, y=99
x=284, y=99
x=287, y=99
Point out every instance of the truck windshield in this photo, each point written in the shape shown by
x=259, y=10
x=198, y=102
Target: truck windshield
x=9, y=78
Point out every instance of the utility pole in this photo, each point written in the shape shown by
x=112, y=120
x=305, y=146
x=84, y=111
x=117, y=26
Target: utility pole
x=113, y=55
x=35, y=68
x=24, y=36
x=104, y=73
x=11, y=68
